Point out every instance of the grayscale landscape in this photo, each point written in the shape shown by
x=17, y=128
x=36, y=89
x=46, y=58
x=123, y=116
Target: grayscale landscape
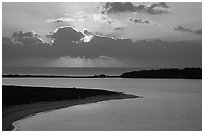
x=101, y=66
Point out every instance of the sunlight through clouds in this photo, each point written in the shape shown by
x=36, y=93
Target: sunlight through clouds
x=144, y=32
x=102, y=61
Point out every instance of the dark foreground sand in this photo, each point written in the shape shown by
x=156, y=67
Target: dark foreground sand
x=19, y=102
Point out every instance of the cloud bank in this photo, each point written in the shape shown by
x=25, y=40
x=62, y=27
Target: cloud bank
x=140, y=21
x=182, y=29
x=67, y=42
x=104, y=19
x=119, y=7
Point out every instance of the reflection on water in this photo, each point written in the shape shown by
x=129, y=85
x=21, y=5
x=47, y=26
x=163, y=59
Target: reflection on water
x=167, y=105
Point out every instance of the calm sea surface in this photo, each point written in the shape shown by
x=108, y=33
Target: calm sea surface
x=66, y=71
x=167, y=104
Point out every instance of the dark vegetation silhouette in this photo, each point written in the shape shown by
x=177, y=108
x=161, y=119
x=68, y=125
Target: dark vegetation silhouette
x=173, y=73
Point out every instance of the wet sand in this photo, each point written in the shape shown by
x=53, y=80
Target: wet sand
x=20, y=102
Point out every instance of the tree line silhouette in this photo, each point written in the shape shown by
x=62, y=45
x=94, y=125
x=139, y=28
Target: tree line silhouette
x=173, y=73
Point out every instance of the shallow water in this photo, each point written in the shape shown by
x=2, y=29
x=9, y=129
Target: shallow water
x=168, y=104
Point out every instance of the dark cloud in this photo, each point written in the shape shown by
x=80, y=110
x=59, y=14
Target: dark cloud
x=67, y=43
x=152, y=9
x=58, y=21
x=140, y=21
x=22, y=34
x=6, y=40
x=160, y=4
x=119, y=28
x=66, y=34
x=111, y=7
x=24, y=38
x=23, y=44
x=86, y=32
x=119, y=7
x=198, y=32
x=182, y=29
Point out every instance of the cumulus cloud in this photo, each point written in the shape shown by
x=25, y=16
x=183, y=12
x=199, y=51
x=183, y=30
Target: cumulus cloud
x=71, y=35
x=94, y=21
x=113, y=7
x=119, y=7
x=22, y=34
x=182, y=29
x=7, y=40
x=102, y=18
x=24, y=38
x=160, y=4
x=103, y=48
x=23, y=44
x=143, y=21
x=63, y=19
x=82, y=16
x=66, y=33
x=140, y=21
x=86, y=32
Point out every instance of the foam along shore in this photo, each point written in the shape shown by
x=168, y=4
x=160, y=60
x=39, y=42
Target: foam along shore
x=20, y=102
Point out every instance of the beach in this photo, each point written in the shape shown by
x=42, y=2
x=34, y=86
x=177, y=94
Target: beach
x=20, y=102
x=166, y=104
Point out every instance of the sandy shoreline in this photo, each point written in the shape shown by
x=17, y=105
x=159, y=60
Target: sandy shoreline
x=17, y=112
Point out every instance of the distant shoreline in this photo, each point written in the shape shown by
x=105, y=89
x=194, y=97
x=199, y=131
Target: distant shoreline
x=19, y=102
x=54, y=76
x=172, y=73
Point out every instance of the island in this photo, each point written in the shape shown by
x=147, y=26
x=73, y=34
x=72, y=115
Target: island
x=172, y=73
x=22, y=101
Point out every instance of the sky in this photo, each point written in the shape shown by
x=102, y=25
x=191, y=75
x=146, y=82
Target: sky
x=106, y=34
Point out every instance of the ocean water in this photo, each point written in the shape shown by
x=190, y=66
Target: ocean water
x=66, y=71
x=167, y=104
